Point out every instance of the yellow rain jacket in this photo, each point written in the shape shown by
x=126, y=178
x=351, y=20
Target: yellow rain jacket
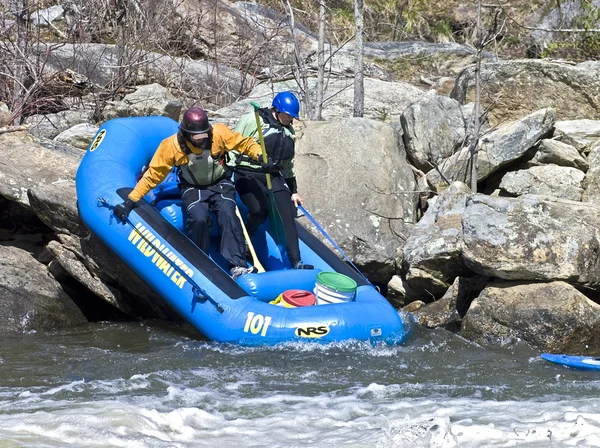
x=170, y=154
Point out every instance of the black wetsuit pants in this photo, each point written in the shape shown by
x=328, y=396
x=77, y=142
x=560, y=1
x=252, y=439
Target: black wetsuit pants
x=220, y=199
x=254, y=194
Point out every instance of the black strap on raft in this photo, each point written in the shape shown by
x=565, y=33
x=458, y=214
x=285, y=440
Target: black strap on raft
x=199, y=295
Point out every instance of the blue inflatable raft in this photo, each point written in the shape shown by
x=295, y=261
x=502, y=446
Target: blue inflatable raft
x=197, y=285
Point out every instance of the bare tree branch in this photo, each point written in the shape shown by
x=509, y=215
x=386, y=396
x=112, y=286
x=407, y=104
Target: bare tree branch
x=7, y=129
x=302, y=78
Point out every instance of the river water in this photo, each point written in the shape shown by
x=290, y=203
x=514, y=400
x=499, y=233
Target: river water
x=156, y=384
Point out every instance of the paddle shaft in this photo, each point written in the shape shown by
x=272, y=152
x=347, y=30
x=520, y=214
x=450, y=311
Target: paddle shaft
x=278, y=232
x=322, y=230
x=261, y=140
x=255, y=261
x=196, y=290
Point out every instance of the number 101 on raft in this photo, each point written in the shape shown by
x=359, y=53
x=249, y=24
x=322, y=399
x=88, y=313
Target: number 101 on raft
x=257, y=323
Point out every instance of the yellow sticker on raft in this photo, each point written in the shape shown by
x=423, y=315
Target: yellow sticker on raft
x=98, y=140
x=312, y=332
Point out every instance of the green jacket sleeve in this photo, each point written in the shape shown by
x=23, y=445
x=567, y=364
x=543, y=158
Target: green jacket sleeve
x=246, y=125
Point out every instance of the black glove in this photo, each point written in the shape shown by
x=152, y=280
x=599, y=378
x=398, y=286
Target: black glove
x=122, y=210
x=268, y=166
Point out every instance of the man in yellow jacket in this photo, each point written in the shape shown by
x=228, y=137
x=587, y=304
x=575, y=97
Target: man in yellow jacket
x=199, y=149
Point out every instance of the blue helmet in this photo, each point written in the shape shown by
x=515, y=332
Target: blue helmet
x=287, y=102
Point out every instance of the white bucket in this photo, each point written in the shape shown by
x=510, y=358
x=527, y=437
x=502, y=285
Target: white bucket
x=326, y=296
x=332, y=287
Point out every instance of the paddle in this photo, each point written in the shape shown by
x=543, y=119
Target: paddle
x=333, y=243
x=255, y=261
x=199, y=294
x=276, y=225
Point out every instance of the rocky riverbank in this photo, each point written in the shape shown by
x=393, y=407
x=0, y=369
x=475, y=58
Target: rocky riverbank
x=516, y=260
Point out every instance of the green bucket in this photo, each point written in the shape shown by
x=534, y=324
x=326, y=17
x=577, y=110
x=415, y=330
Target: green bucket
x=333, y=287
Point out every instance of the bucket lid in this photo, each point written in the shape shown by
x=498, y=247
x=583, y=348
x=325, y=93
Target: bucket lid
x=298, y=297
x=336, y=281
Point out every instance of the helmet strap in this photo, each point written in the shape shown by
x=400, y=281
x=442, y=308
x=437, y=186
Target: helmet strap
x=183, y=142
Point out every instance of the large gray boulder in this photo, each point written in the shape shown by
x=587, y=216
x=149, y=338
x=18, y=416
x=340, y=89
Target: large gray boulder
x=79, y=136
x=150, y=99
x=30, y=299
x=27, y=164
x=431, y=256
x=55, y=205
x=532, y=238
x=591, y=182
x=87, y=260
x=51, y=125
x=104, y=64
x=552, y=180
x=555, y=152
x=44, y=17
x=41, y=179
x=524, y=86
x=356, y=182
x=434, y=127
x=384, y=101
x=406, y=58
x=582, y=134
x=557, y=16
x=497, y=149
x=264, y=40
x=550, y=317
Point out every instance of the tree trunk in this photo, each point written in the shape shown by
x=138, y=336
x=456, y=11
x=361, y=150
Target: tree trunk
x=19, y=8
x=477, y=110
x=320, y=62
x=477, y=123
x=301, y=77
x=359, y=84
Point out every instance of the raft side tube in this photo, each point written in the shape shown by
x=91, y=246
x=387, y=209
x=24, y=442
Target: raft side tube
x=171, y=264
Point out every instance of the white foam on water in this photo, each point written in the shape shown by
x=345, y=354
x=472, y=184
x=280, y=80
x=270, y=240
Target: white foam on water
x=468, y=423
x=375, y=415
x=187, y=393
x=356, y=346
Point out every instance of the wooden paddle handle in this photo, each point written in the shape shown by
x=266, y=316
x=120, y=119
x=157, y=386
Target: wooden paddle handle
x=255, y=261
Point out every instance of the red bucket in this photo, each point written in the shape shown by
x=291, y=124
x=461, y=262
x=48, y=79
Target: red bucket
x=297, y=297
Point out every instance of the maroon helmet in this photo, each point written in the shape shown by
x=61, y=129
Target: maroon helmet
x=195, y=121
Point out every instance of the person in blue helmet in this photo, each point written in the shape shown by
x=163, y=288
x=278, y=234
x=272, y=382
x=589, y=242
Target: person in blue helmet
x=250, y=180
